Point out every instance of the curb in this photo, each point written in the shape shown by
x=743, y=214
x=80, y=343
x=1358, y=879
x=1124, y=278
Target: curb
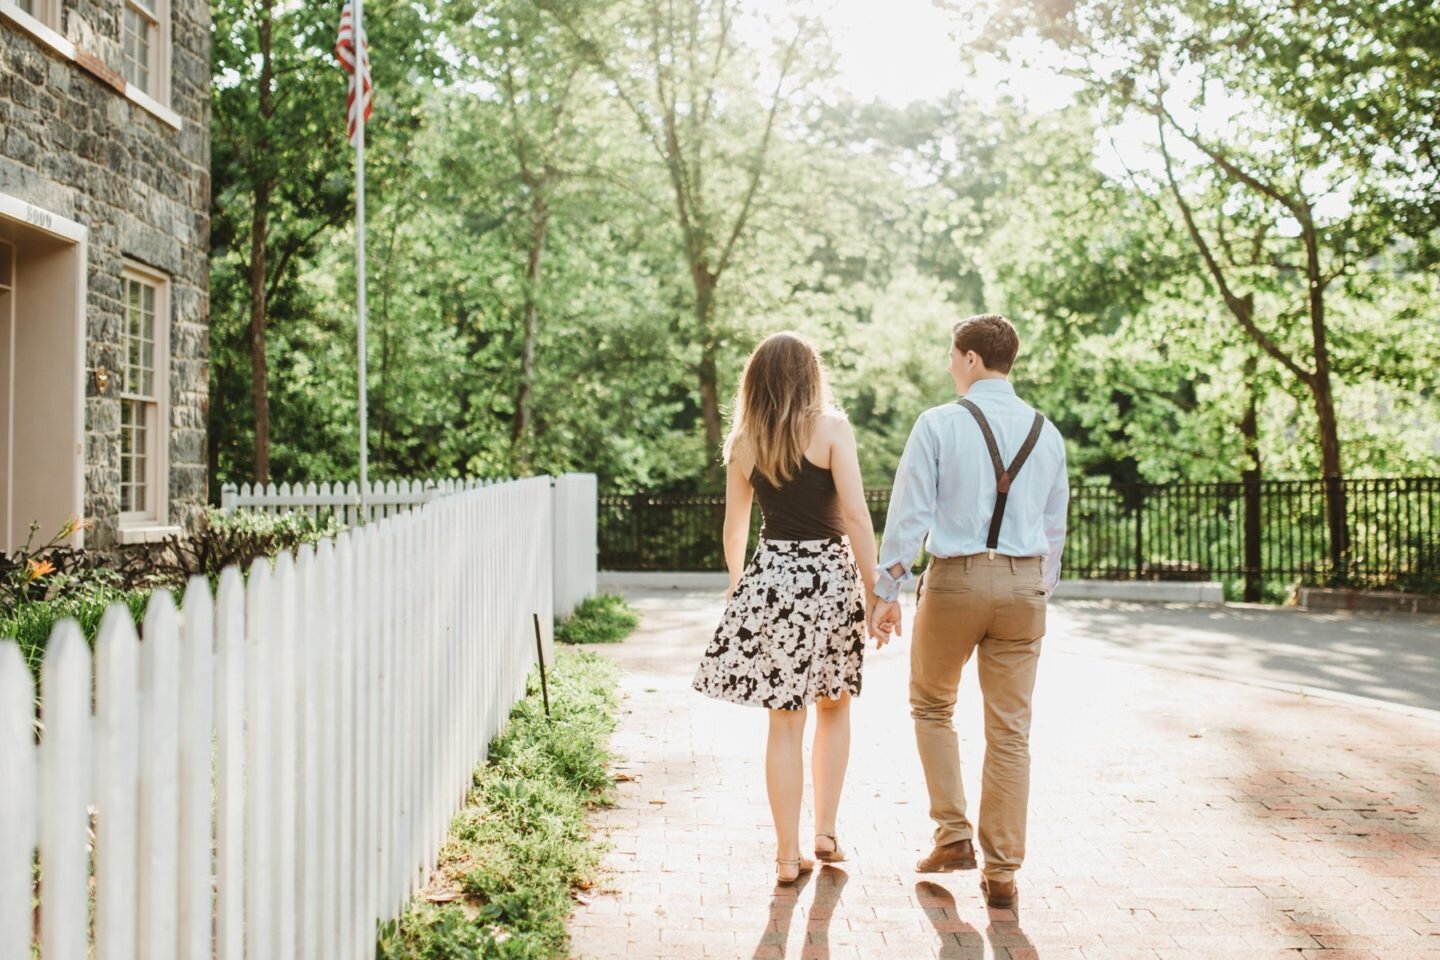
x=1137, y=591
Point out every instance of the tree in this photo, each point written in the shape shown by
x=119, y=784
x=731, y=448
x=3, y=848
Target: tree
x=682, y=70
x=280, y=163
x=1281, y=205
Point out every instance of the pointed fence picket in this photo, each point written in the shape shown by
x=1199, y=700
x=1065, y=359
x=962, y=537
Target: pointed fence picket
x=272, y=770
x=18, y=802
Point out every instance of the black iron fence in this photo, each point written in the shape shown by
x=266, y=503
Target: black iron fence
x=1259, y=538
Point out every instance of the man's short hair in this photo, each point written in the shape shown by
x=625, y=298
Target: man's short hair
x=991, y=336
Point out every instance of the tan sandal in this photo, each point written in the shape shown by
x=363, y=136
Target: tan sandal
x=833, y=855
x=801, y=865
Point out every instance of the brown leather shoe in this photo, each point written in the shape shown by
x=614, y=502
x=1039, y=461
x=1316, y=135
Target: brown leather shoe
x=959, y=855
x=999, y=894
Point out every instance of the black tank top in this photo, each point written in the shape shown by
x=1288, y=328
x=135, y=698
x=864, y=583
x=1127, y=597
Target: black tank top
x=806, y=507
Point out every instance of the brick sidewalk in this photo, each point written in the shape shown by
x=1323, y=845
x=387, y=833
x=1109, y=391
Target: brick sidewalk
x=1171, y=816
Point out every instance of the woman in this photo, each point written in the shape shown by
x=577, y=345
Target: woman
x=793, y=632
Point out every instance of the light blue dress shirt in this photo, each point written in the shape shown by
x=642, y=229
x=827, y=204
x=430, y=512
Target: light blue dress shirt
x=945, y=487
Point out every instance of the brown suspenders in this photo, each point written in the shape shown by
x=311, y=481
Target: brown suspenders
x=1004, y=476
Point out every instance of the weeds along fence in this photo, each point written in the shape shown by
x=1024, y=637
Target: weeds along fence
x=270, y=772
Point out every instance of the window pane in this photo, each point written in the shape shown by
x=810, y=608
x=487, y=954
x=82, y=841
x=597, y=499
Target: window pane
x=132, y=366
x=138, y=347
x=132, y=319
x=134, y=455
x=128, y=412
x=137, y=29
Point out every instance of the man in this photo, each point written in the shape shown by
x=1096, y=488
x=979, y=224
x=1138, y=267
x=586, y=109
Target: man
x=984, y=479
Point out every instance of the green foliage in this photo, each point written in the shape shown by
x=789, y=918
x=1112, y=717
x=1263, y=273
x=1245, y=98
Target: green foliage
x=521, y=844
x=515, y=198
x=221, y=540
x=85, y=600
x=605, y=618
x=82, y=587
x=38, y=572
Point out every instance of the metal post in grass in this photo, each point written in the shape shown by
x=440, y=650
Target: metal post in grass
x=540, y=655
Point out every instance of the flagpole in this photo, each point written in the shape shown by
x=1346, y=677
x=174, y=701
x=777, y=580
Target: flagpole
x=362, y=75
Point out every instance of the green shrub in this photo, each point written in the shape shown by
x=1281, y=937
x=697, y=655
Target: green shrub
x=521, y=844
x=606, y=618
x=30, y=623
x=40, y=586
x=220, y=540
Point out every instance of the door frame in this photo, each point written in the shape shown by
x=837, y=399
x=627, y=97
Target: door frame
x=33, y=217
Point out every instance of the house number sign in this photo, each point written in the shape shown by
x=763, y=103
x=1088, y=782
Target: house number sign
x=38, y=217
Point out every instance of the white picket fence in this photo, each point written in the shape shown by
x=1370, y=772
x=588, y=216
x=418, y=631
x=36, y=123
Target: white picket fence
x=576, y=549
x=341, y=500
x=270, y=773
x=575, y=503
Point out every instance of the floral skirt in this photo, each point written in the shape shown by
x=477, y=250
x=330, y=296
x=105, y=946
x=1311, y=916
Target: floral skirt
x=793, y=631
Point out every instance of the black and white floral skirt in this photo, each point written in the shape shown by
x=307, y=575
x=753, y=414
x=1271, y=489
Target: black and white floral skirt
x=793, y=631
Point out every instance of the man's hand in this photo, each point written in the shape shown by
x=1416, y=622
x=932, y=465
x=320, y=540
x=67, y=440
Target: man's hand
x=884, y=619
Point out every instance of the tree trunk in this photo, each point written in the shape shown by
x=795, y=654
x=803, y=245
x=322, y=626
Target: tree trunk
x=259, y=238
x=1250, y=480
x=259, y=372
x=1330, y=464
x=539, y=227
x=707, y=369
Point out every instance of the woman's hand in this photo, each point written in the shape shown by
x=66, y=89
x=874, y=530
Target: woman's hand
x=883, y=619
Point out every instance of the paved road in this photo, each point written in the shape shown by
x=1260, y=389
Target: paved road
x=1173, y=814
x=1389, y=657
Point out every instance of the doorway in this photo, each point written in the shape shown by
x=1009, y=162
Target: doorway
x=42, y=367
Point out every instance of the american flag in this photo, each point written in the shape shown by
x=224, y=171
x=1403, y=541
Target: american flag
x=345, y=53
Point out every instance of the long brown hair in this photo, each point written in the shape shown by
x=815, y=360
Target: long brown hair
x=782, y=392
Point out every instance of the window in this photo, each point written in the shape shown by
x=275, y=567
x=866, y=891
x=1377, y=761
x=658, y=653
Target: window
x=47, y=12
x=142, y=376
x=140, y=28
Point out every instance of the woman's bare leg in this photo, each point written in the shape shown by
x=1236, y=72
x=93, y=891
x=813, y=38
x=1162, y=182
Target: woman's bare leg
x=785, y=784
x=828, y=761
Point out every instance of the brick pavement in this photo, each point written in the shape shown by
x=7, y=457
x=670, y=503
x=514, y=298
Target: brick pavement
x=1172, y=815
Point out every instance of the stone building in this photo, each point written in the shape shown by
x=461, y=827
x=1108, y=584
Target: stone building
x=104, y=286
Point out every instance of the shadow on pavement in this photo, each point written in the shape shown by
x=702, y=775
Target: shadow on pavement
x=960, y=940
x=783, y=900
x=829, y=882
x=1391, y=657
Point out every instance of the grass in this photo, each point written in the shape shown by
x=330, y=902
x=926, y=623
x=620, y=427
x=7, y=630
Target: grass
x=30, y=624
x=605, y=618
x=521, y=847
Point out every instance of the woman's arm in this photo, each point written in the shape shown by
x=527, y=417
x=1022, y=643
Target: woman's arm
x=738, y=497
x=845, y=467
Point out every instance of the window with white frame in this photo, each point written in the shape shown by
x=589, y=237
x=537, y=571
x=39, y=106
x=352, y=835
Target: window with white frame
x=143, y=389
x=45, y=11
x=139, y=26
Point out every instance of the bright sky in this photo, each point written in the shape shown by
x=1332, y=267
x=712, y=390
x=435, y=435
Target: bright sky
x=905, y=50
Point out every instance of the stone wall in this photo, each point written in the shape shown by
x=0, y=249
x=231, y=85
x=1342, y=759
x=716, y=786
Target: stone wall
x=72, y=143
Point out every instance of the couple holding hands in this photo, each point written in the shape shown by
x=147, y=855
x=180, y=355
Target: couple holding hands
x=982, y=483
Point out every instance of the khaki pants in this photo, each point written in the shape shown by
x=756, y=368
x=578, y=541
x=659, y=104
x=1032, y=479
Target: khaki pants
x=994, y=607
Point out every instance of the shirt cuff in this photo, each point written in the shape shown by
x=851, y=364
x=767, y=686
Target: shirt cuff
x=887, y=586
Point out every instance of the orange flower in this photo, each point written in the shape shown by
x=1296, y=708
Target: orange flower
x=35, y=569
x=72, y=525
